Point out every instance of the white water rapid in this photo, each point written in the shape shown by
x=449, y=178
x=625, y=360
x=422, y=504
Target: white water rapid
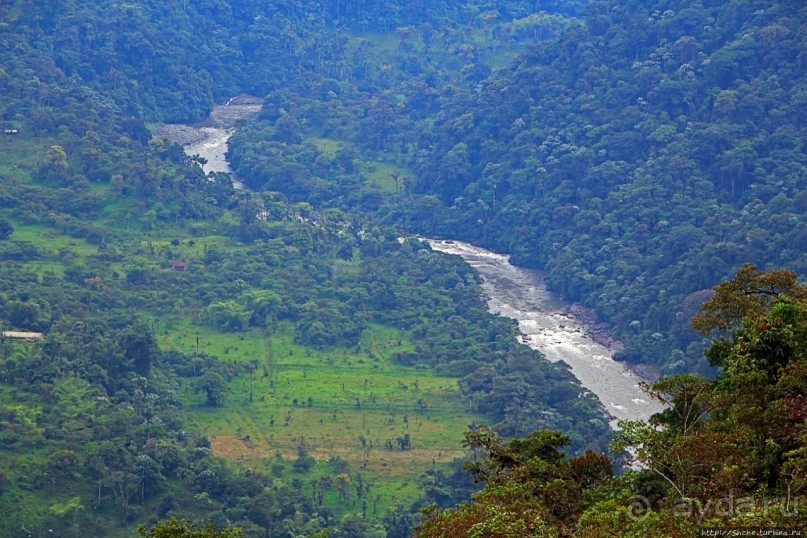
x=547, y=325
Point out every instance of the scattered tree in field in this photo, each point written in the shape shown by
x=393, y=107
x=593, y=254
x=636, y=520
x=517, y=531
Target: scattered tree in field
x=342, y=484
x=214, y=386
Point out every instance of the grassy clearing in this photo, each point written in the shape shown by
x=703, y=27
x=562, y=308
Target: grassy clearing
x=356, y=405
x=51, y=241
x=328, y=146
x=379, y=173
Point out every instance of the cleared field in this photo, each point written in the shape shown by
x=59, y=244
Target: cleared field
x=379, y=172
x=387, y=422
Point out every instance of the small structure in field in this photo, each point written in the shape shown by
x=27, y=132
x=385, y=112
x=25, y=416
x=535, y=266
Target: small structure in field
x=19, y=336
x=179, y=266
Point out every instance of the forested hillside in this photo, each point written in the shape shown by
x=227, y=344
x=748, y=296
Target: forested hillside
x=171, y=60
x=641, y=155
x=214, y=354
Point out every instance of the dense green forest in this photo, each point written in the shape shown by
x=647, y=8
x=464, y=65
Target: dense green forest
x=201, y=362
x=639, y=157
x=195, y=356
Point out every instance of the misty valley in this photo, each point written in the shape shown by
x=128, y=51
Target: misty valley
x=331, y=268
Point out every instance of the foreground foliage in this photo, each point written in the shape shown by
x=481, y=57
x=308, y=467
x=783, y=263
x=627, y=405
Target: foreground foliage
x=724, y=453
x=530, y=487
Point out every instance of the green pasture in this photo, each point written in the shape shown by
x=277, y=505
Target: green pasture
x=328, y=146
x=51, y=247
x=381, y=174
x=50, y=240
x=378, y=172
x=345, y=403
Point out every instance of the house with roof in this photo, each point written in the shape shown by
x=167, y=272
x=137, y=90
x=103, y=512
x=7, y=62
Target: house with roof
x=20, y=336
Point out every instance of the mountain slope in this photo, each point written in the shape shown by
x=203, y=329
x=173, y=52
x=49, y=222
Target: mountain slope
x=638, y=158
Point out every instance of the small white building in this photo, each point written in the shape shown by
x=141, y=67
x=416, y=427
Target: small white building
x=23, y=336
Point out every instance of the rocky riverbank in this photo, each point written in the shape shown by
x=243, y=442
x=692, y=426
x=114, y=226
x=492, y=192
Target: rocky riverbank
x=562, y=332
x=597, y=330
x=184, y=135
x=208, y=139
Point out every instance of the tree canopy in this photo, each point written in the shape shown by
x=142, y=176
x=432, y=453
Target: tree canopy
x=186, y=529
x=636, y=151
x=728, y=452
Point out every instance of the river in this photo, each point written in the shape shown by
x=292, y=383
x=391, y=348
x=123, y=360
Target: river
x=545, y=321
x=547, y=324
x=209, y=138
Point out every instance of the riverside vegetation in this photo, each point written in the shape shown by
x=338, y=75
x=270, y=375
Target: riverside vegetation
x=290, y=373
x=638, y=158
x=640, y=152
x=273, y=340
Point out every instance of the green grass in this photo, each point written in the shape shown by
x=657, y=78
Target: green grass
x=50, y=240
x=51, y=246
x=328, y=146
x=378, y=172
x=328, y=401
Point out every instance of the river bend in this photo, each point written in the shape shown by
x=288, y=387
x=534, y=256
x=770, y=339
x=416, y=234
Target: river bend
x=544, y=320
